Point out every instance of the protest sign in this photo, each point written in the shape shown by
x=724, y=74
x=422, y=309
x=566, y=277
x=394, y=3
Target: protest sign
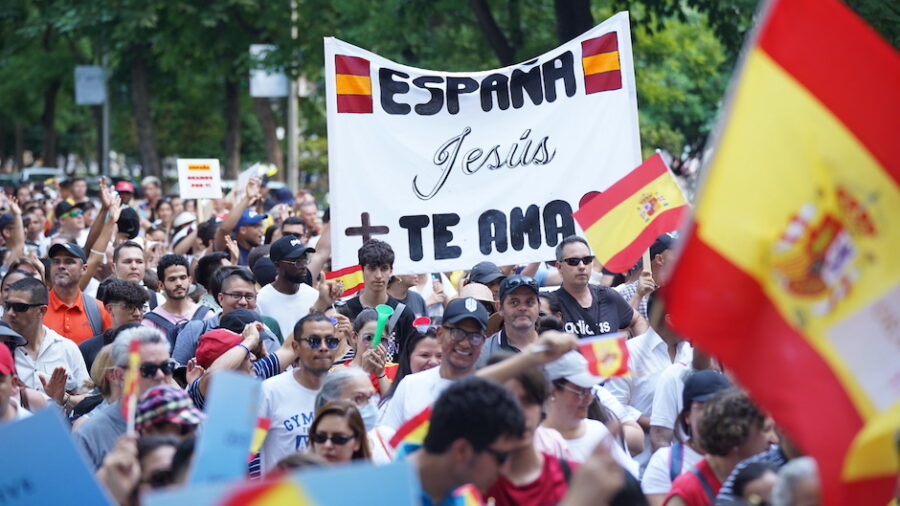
x=38, y=458
x=199, y=178
x=228, y=432
x=392, y=484
x=455, y=168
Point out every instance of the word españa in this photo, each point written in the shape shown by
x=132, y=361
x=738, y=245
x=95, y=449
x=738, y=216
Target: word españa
x=496, y=231
x=538, y=83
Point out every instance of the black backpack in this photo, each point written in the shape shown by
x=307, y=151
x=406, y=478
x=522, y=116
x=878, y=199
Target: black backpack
x=173, y=329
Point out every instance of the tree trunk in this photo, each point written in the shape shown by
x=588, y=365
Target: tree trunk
x=505, y=53
x=232, y=128
x=48, y=151
x=573, y=17
x=266, y=117
x=19, y=146
x=140, y=94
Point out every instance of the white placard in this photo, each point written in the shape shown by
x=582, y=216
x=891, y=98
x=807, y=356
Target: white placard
x=90, y=85
x=199, y=178
x=455, y=168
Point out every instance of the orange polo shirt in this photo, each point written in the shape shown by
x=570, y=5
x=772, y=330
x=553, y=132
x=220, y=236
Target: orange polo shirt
x=72, y=321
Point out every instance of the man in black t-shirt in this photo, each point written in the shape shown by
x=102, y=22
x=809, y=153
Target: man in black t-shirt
x=590, y=309
x=377, y=261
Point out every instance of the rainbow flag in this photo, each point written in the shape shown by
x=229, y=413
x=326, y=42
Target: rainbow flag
x=351, y=277
x=413, y=431
x=607, y=355
x=272, y=492
x=259, y=435
x=354, y=84
x=622, y=222
x=467, y=495
x=129, y=391
x=790, y=273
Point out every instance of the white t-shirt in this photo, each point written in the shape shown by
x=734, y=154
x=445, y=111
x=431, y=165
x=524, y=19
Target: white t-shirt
x=648, y=357
x=595, y=433
x=611, y=403
x=291, y=407
x=56, y=351
x=414, y=393
x=656, y=479
x=667, y=401
x=286, y=309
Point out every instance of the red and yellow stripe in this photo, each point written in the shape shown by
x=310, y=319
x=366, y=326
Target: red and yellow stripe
x=600, y=60
x=350, y=277
x=799, y=139
x=129, y=390
x=607, y=356
x=622, y=222
x=259, y=436
x=413, y=431
x=272, y=492
x=353, y=83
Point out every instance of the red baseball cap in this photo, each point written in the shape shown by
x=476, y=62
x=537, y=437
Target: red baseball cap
x=7, y=364
x=213, y=344
x=125, y=186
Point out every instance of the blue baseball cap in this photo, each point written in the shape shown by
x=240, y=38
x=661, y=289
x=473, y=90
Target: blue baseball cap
x=251, y=218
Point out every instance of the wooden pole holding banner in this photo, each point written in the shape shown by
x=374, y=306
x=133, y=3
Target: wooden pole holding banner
x=647, y=261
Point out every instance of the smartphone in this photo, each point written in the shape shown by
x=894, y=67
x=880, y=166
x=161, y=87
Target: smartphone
x=435, y=276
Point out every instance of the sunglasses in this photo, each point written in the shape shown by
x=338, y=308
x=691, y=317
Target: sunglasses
x=71, y=214
x=459, y=335
x=500, y=456
x=19, y=307
x=516, y=281
x=337, y=439
x=148, y=369
x=315, y=342
x=574, y=260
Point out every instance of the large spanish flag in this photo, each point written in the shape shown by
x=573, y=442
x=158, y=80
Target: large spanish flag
x=622, y=222
x=790, y=273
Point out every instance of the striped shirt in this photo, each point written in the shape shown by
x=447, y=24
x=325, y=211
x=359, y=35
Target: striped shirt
x=773, y=456
x=264, y=368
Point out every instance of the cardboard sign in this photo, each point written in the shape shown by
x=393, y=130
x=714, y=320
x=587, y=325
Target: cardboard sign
x=199, y=178
x=221, y=453
x=42, y=465
x=454, y=168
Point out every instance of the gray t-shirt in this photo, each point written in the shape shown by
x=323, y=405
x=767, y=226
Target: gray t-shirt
x=416, y=303
x=99, y=434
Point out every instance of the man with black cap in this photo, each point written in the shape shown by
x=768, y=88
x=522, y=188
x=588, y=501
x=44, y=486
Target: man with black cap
x=519, y=307
x=488, y=274
x=70, y=219
x=636, y=292
x=70, y=312
x=461, y=337
x=288, y=298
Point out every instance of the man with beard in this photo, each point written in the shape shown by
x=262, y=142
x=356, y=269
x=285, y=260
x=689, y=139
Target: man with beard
x=71, y=313
x=288, y=400
x=288, y=298
x=174, y=280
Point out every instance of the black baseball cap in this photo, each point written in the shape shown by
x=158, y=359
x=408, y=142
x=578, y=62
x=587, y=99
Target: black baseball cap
x=6, y=220
x=516, y=281
x=289, y=246
x=264, y=270
x=236, y=320
x=485, y=272
x=663, y=243
x=62, y=208
x=69, y=248
x=468, y=307
x=129, y=222
x=701, y=385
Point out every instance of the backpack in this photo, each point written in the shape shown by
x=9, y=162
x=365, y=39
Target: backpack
x=93, y=313
x=172, y=329
x=676, y=460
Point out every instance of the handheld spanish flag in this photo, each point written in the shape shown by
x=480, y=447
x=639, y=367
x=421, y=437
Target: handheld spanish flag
x=259, y=435
x=467, y=495
x=789, y=274
x=607, y=355
x=129, y=391
x=413, y=431
x=350, y=277
x=623, y=221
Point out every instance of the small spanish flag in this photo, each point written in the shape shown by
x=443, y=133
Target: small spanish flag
x=353, y=84
x=607, y=355
x=413, y=431
x=467, y=495
x=350, y=277
x=259, y=435
x=274, y=492
x=622, y=222
x=600, y=60
x=129, y=392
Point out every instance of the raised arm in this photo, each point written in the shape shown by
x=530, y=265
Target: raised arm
x=16, y=243
x=251, y=194
x=108, y=226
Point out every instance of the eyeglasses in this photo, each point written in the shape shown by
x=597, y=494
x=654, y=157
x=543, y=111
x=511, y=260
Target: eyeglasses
x=315, y=342
x=500, y=456
x=337, y=439
x=71, y=214
x=148, y=369
x=238, y=296
x=581, y=393
x=19, y=307
x=130, y=307
x=159, y=478
x=457, y=334
x=299, y=262
x=574, y=260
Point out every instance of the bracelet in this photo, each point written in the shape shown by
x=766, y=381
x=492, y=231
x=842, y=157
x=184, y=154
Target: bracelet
x=65, y=400
x=98, y=252
x=382, y=375
x=244, y=347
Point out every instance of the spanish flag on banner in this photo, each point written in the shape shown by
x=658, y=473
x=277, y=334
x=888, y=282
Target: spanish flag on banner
x=607, y=355
x=351, y=277
x=790, y=274
x=622, y=222
x=413, y=431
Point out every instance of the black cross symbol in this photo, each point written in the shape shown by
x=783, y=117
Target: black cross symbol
x=366, y=230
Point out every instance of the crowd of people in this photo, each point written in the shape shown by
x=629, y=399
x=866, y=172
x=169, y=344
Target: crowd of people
x=238, y=285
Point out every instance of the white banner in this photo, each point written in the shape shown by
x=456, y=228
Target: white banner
x=199, y=178
x=454, y=168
